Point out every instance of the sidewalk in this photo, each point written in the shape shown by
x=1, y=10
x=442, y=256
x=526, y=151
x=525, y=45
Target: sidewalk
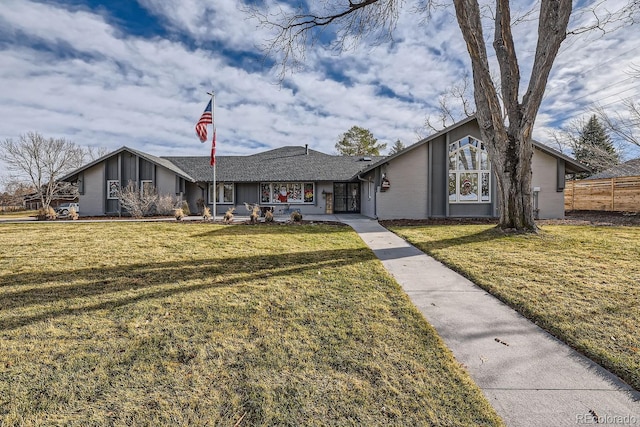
x=530, y=378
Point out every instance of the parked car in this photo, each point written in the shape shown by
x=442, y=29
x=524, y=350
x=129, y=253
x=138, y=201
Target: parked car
x=64, y=208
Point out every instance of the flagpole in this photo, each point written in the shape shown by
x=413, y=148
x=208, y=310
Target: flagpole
x=213, y=120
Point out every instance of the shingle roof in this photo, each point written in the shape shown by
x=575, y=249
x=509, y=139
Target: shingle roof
x=280, y=164
x=630, y=168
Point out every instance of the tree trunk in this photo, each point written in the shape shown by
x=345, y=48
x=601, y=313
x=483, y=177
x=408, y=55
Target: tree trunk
x=512, y=171
x=508, y=139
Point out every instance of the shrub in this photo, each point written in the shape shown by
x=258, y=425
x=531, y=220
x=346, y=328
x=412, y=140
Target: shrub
x=253, y=212
x=201, y=207
x=228, y=216
x=166, y=204
x=206, y=213
x=178, y=213
x=47, y=213
x=185, y=208
x=73, y=214
x=268, y=216
x=296, y=216
x=137, y=203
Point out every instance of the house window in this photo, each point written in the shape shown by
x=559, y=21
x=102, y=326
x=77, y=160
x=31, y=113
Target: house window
x=146, y=187
x=113, y=188
x=287, y=192
x=224, y=193
x=469, y=172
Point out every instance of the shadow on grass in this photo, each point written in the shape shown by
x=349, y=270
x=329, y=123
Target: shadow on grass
x=144, y=277
x=275, y=228
x=480, y=237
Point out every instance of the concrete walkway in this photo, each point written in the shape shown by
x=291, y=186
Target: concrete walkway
x=530, y=378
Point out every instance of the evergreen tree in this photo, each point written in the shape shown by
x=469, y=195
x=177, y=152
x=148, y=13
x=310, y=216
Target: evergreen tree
x=358, y=141
x=397, y=146
x=594, y=148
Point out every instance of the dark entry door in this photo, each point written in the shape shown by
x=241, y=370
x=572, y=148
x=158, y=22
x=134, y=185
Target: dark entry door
x=346, y=197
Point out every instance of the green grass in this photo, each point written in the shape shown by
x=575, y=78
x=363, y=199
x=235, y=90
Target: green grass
x=199, y=324
x=581, y=283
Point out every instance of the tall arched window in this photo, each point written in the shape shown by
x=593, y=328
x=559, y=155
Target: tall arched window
x=469, y=172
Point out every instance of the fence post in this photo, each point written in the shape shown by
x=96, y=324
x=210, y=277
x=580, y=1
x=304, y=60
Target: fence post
x=613, y=194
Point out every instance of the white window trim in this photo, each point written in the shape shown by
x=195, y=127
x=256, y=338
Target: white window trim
x=109, y=183
x=143, y=182
x=272, y=200
x=478, y=172
x=220, y=194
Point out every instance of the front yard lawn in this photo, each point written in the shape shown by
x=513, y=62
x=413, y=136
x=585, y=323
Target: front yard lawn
x=173, y=323
x=581, y=283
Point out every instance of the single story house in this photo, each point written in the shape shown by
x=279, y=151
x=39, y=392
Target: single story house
x=445, y=175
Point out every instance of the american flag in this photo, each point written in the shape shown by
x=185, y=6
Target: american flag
x=201, y=126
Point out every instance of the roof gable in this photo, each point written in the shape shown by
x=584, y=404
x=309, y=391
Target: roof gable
x=153, y=159
x=572, y=165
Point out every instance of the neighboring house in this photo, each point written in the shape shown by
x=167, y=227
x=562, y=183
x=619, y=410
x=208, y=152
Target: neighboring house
x=630, y=168
x=445, y=175
x=33, y=201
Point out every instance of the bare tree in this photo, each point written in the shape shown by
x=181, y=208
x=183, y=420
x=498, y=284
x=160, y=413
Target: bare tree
x=94, y=153
x=14, y=192
x=42, y=161
x=506, y=121
x=454, y=104
x=624, y=126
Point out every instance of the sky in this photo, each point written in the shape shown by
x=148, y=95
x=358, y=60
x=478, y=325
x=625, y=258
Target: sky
x=107, y=74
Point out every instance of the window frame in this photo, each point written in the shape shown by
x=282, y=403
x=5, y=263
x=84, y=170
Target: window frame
x=220, y=193
x=111, y=195
x=142, y=186
x=478, y=175
x=270, y=191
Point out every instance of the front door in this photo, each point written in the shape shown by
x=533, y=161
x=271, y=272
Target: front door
x=346, y=197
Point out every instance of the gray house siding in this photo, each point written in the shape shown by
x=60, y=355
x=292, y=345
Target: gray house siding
x=191, y=194
x=407, y=196
x=165, y=182
x=368, y=189
x=438, y=168
x=545, y=177
x=246, y=193
x=147, y=170
x=129, y=163
x=92, y=201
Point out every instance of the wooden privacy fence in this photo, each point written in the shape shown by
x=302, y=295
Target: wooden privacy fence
x=611, y=194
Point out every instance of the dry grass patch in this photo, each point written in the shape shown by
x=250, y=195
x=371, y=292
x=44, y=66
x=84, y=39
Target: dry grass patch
x=17, y=214
x=581, y=283
x=203, y=324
